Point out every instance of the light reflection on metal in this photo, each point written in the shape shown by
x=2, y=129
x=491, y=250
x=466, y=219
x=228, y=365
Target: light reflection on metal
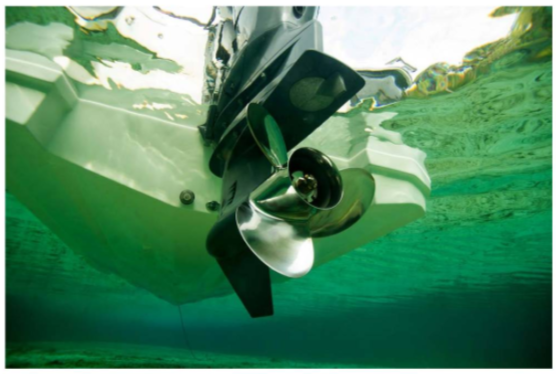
x=359, y=191
x=283, y=196
x=284, y=246
x=303, y=200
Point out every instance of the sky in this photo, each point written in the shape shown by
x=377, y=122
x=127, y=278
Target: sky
x=366, y=37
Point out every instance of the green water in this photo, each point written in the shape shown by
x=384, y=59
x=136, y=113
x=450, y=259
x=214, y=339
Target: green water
x=468, y=285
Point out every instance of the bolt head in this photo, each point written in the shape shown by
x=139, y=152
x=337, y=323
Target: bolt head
x=187, y=197
x=213, y=206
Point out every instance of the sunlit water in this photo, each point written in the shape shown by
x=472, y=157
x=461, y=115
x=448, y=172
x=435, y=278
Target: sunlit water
x=468, y=285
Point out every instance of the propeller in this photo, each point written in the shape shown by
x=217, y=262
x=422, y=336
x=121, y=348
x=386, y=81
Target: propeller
x=306, y=197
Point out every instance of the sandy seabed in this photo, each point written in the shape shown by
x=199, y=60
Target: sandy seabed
x=115, y=355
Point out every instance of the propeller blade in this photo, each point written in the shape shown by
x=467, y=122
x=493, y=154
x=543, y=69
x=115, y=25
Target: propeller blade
x=283, y=246
x=267, y=135
x=359, y=191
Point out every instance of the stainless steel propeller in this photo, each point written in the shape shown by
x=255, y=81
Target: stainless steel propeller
x=305, y=197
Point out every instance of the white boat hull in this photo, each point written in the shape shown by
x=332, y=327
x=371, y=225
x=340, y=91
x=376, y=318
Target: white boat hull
x=107, y=181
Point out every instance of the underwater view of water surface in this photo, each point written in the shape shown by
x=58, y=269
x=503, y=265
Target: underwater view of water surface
x=468, y=285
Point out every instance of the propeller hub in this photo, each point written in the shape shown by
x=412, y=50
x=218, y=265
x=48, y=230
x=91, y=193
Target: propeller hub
x=306, y=184
x=304, y=197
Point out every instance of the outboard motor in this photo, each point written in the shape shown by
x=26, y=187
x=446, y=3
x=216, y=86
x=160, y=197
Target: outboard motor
x=272, y=88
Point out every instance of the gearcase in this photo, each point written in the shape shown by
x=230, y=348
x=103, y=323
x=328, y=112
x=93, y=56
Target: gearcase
x=273, y=205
